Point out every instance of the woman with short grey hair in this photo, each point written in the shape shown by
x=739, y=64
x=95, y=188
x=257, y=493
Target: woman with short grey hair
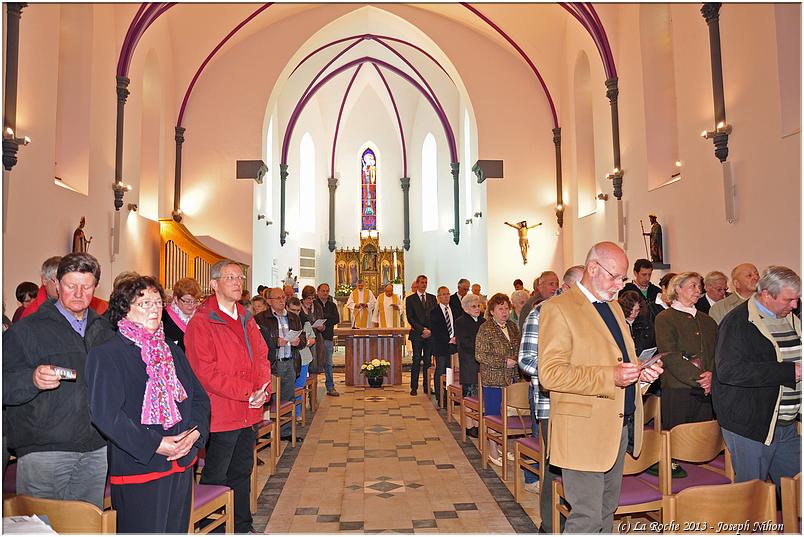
x=466, y=327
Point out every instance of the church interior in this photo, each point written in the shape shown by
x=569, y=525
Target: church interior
x=342, y=141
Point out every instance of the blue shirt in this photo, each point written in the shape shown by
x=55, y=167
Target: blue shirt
x=78, y=326
x=762, y=309
x=284, y=352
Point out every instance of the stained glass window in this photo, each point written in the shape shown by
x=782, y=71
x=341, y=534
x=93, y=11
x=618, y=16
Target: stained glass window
x=368, y=188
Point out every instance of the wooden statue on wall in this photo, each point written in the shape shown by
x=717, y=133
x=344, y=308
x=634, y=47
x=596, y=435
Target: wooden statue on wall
x=80, y=241
x=523, y=228
x=656, y=246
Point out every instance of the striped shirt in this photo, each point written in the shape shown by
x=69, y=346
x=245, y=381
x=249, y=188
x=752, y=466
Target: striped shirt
x=529, y=360
x=790, y=348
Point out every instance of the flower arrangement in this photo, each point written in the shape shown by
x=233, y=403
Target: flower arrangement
x=375, y=368
x=343, y=289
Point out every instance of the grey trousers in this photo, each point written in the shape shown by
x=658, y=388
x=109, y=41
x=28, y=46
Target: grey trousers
x=594, y=496
x=286, y=372
x=63, y=475
x=755, y=460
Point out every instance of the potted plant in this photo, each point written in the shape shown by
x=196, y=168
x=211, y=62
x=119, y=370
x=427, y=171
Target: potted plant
x=375, y=370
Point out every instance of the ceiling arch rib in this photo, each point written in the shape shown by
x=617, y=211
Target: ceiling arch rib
x=338, y=122
x=398, y=121
x=294, y=117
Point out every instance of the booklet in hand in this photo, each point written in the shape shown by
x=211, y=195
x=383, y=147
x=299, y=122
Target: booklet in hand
x=648, y=357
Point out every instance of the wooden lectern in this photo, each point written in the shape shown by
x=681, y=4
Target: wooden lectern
x=364, y=344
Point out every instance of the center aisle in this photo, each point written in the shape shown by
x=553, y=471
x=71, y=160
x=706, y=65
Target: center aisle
x=379, y=459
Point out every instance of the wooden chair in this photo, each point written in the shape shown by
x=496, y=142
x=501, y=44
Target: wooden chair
x=431, y=375
x=282, y=412
x=652, y=412
x=472, y=408
x=500, y=428
x=64, y=516
x=299, y=394
x=454, y=390
x=636, y=495
x=528, y=455
x=311, y=389
x=698, y=445
x=712, y=508
x=215, y=502
x=791, y=504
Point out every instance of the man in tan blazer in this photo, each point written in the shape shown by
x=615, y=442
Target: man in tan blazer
x=588, y=363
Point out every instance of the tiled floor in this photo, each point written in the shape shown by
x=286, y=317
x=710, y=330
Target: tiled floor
x=382, y=460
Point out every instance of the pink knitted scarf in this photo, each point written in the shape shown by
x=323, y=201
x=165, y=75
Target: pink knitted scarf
x=163, y=389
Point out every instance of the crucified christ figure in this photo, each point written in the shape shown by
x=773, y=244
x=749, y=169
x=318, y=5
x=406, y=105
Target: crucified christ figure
x=522, y=228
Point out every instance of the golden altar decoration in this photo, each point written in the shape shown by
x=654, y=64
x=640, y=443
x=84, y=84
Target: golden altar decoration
x=376, y=266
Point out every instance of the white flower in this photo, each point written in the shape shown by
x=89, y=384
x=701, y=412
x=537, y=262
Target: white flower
x=370, y=367
x=375, y=362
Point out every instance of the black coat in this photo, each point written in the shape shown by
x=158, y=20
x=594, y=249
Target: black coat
x=116, y=377
x=269, y=328
x=418, y=314
x=328, y=311
x=653, y=291
x=172, y=330
x=50, y=420
x=703, y=304
x=439, y=340
x=465, y=333
x=455, y=305
x=747, y=377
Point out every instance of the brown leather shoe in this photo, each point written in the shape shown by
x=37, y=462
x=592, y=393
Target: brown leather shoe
x=333, y=392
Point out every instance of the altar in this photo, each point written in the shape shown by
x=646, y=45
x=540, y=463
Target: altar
x=365, y=344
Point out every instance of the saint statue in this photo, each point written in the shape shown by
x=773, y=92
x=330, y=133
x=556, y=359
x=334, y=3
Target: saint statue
x=80, y=241
x=290, y=279
x=656, y=251
x=522, y=228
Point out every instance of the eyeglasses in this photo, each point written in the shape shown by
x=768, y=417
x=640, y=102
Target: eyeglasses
x=147, y=304
x=613, y=277
x=233, y=278
x=189, y=302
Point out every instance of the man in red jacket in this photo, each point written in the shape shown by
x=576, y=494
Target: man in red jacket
x=229, y=356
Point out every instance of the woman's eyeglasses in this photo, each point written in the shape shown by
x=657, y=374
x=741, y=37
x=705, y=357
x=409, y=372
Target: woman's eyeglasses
x=189, y=301
x=147, y=304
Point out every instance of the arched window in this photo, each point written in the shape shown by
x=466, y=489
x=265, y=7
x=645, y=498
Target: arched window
x=71, y=168
x=307, y=183
x=268, y=183
x=368, y=190
x=659, y=90
x=467, y=162
x=429, y=184
x=584, y=138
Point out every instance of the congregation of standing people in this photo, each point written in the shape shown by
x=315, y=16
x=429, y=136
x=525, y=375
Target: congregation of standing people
x=134, y=391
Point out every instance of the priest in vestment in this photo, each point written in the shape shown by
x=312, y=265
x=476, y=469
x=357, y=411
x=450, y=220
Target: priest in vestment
x=361, y=304
x=388, y=312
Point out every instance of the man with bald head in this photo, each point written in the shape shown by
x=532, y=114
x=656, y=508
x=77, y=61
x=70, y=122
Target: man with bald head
x=588, y=363
x=744, y=277
x=544, y=287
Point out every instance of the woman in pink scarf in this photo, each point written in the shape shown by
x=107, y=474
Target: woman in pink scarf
x=176, y=315
x=146, y=400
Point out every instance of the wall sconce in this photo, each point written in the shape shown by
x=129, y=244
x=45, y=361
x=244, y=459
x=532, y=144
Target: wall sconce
x=603, y=197
x=177, y=215
x=468, y=221
x=260, y=216
x=616, y=178
x=478, y=214
x=119, y=190
x=132, y=207
x=11, y=144
x=451, y=230
x=720, y=137
x=560, y=215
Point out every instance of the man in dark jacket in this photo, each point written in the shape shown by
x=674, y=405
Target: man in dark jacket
x=443, y=343
x=275, y=324
x=417, y=311
x=756, y=384
x=466, y=327
x=61, y=454
x=325, y=308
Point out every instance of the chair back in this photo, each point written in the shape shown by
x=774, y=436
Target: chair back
x=480, y=394
x=791, y=503
x=455, y=364
x=65, y=516
x=652, y=411
x=696, y=442
x=653, y=450
x=721, y=508
x=516, y=396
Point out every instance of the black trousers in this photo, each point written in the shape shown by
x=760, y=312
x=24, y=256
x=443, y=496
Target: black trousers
x=230, y=458
x=421, y=360
x=159, y=506
x=440, y=369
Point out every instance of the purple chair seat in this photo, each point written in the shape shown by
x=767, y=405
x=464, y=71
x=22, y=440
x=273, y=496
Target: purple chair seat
x=513, y=421
x=719, y=462
x=530, y=443
x=10, y=479
x=206, y=493
x=696, y=475
x=635, y=491
x=455, y=385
